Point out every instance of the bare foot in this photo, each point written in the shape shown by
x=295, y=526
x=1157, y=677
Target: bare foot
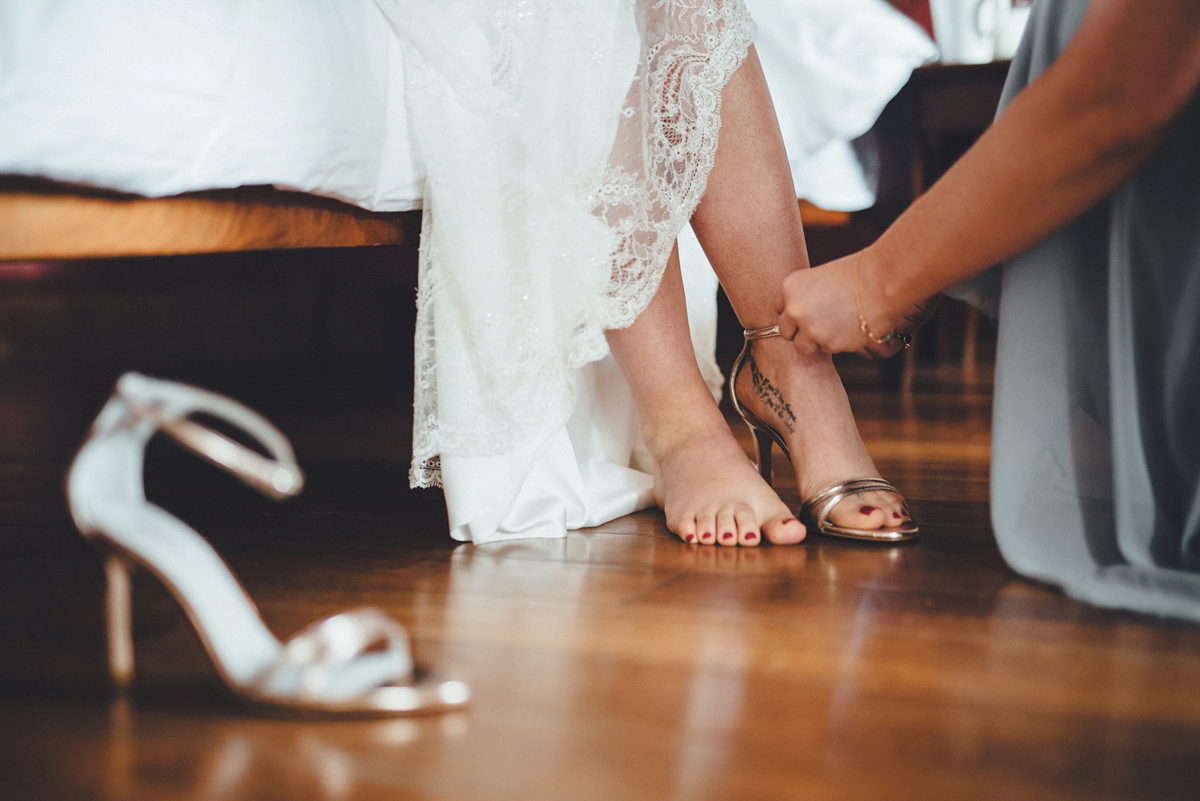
x=803, y=399
x=708, y=488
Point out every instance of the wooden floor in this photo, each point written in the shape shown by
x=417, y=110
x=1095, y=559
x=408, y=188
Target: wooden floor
x=615, y=664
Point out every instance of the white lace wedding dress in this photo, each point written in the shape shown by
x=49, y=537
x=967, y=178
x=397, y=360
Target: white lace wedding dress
x=566, y=142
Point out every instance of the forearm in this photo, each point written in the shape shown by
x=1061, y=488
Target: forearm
x=1006, y=194
x=1064, y=143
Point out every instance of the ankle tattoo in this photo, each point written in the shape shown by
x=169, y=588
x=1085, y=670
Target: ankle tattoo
x=772, y=397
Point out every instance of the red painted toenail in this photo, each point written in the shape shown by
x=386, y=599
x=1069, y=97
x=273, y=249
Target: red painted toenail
x=751, y=537
x=728, y=535
x=691, y=537
x=866, y=510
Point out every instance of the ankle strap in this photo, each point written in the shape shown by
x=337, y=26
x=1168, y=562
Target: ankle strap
x=761, y=333
x=166, y=404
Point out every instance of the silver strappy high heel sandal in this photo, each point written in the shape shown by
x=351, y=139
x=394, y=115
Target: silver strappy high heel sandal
x=355, y=663
x=814, y=513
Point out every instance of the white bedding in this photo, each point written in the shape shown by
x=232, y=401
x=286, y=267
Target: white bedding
x=158, y=97
x=831, y=68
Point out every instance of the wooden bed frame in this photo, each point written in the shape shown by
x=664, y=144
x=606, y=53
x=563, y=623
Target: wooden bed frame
x=42, y=220
x=46, y=221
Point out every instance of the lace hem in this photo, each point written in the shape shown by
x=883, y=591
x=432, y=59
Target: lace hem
x=674, y=123
x=565, y=149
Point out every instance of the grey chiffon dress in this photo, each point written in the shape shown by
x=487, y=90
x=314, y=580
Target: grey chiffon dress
x=1096, y=428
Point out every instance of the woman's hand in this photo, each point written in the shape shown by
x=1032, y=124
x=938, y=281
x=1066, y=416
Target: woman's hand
x=822, y=308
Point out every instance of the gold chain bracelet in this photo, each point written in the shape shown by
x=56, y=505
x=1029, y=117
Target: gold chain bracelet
x=886, y=339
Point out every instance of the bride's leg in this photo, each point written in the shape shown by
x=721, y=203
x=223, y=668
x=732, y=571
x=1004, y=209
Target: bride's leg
x=708, y=489
x=749, y=225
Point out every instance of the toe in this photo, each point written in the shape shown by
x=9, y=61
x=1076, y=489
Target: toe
x=727, y=533
x=748, y=530
x=706, y=528
x=869, y=510
x=686, y=530
x=785, y=530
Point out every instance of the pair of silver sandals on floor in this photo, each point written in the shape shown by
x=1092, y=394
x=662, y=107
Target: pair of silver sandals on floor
x=353, y=664
x=814, y=512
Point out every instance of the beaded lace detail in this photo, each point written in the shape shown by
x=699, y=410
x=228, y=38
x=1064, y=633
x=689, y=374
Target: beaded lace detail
x=565, y=142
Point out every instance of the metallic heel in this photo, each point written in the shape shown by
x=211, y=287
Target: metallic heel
x=762, y=451
x=118, y=607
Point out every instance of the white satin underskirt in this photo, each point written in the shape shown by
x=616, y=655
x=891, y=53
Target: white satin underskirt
x=591, y=468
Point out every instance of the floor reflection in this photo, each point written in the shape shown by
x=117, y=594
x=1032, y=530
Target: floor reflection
x=223, y=759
